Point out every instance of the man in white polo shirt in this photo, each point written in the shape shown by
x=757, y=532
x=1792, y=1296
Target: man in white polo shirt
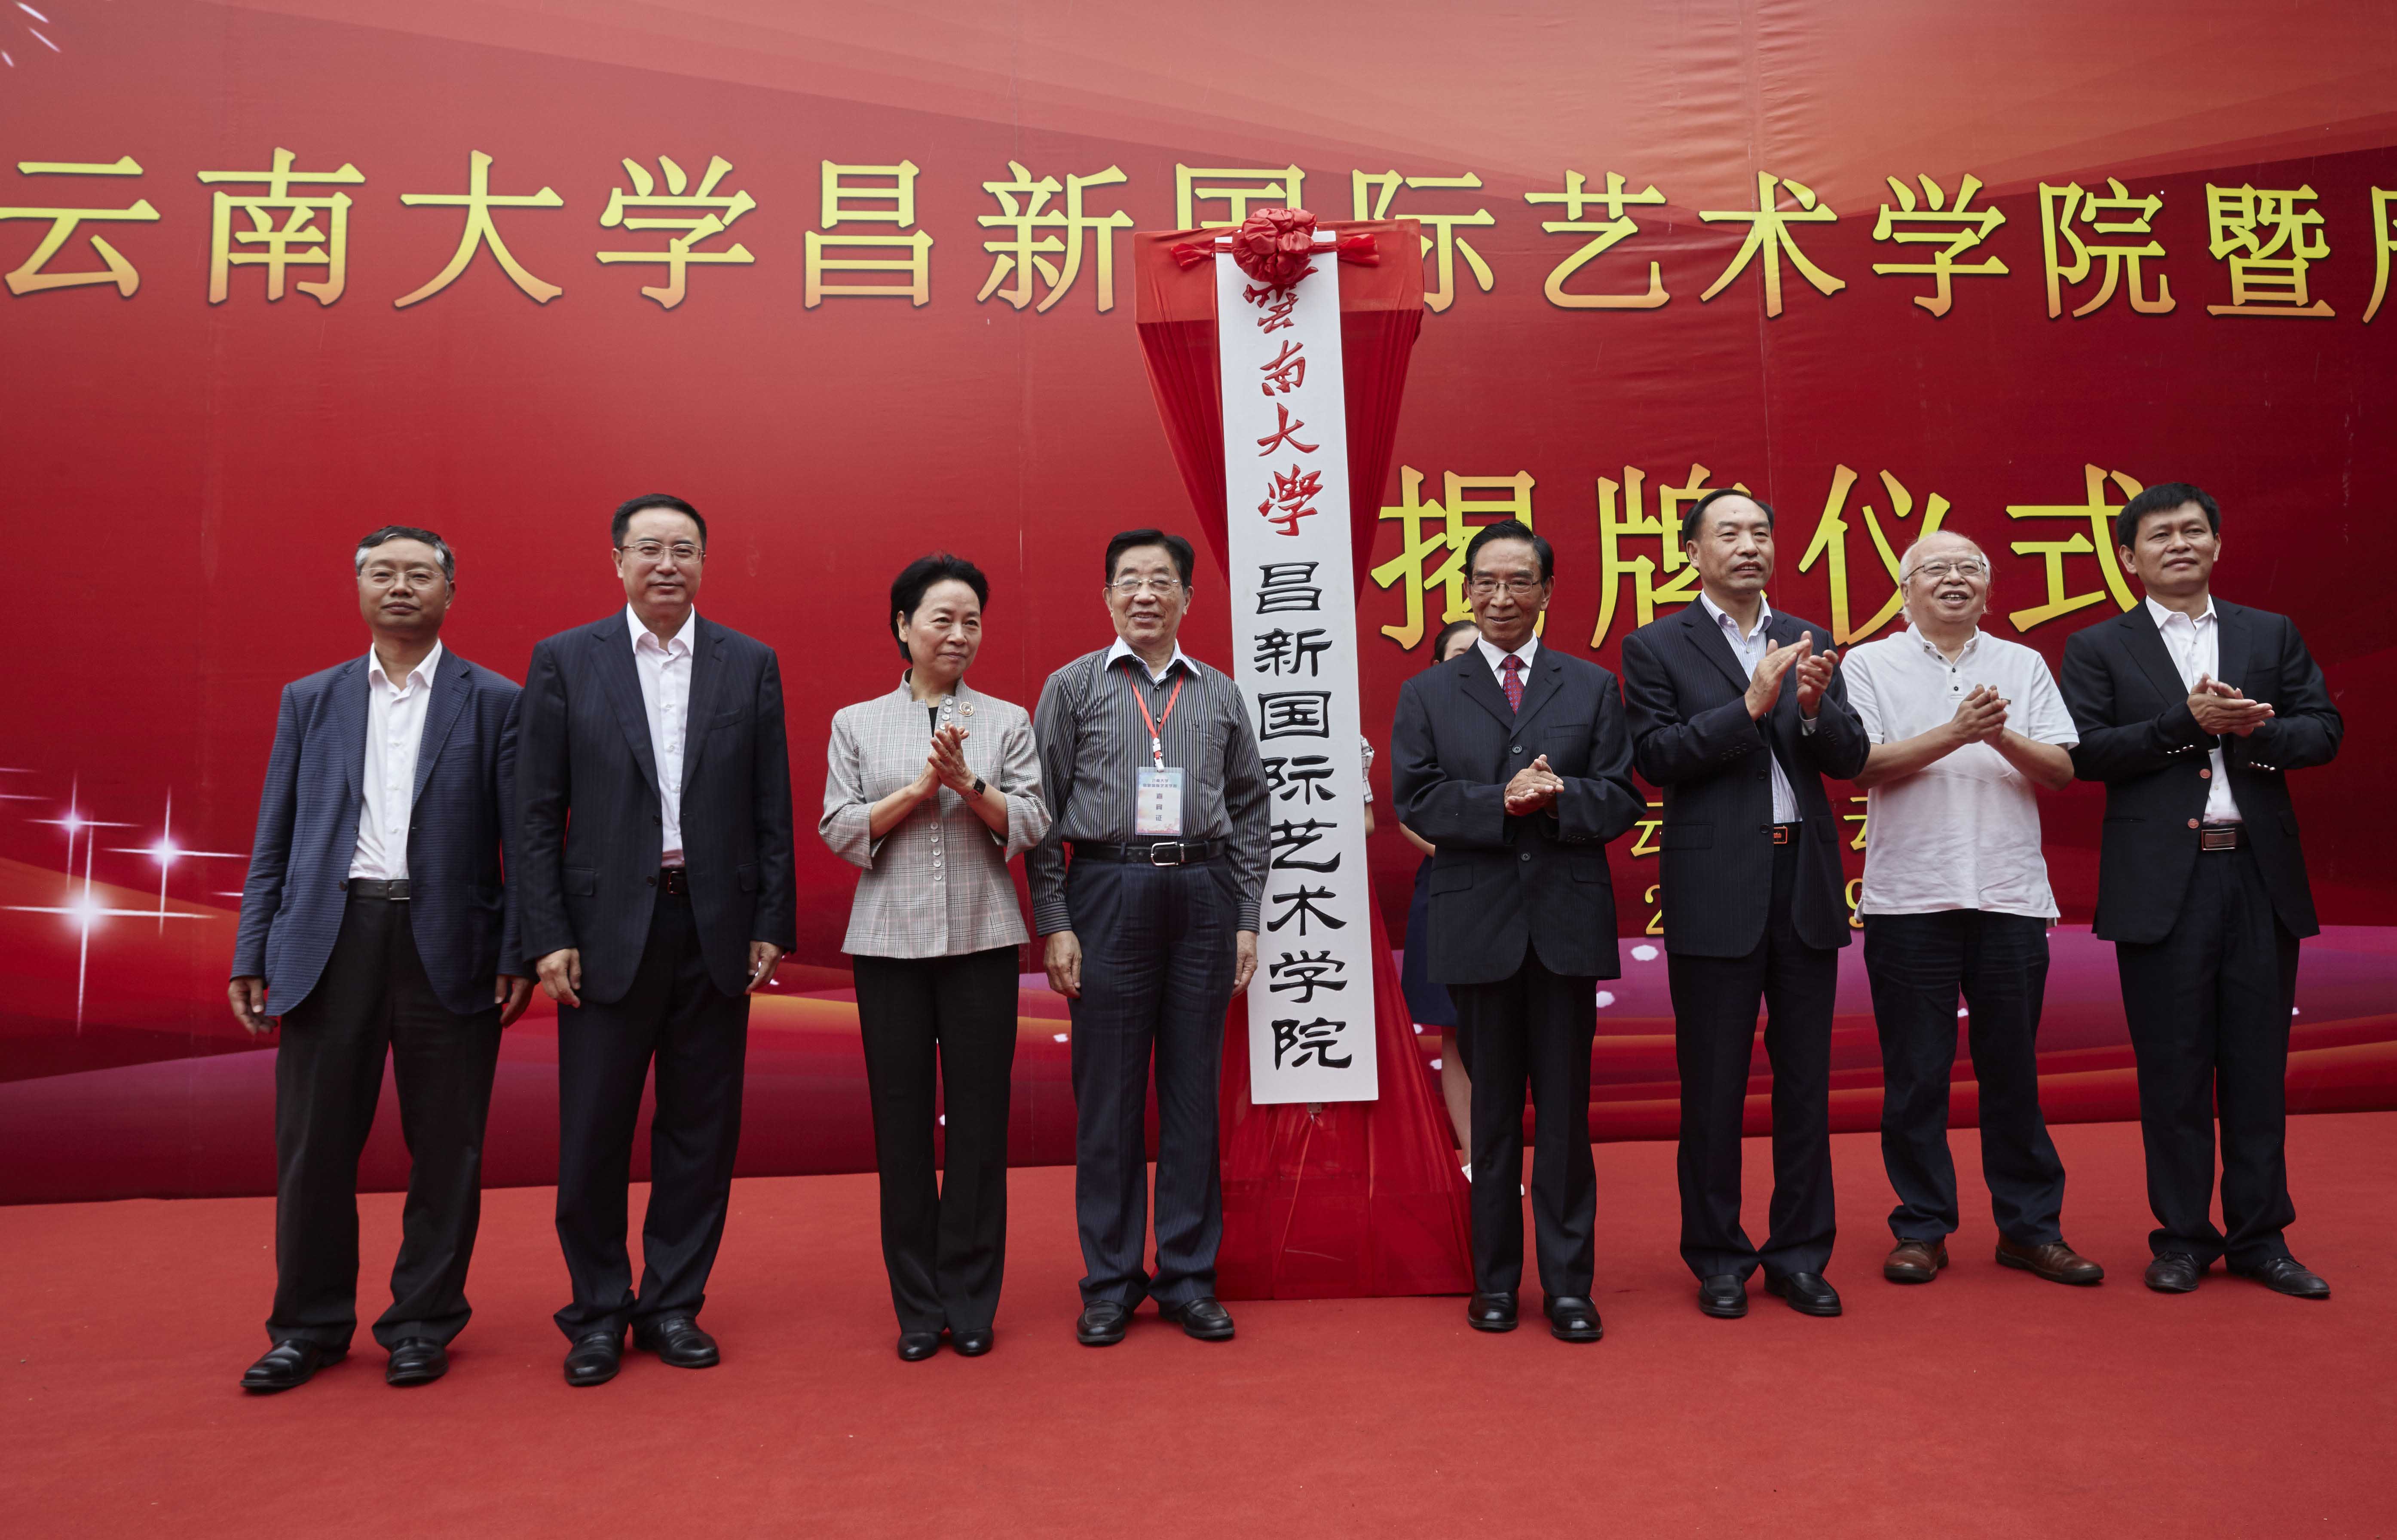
x=1964, y=729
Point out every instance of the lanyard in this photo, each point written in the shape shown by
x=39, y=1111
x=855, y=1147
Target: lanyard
x=1156, y=724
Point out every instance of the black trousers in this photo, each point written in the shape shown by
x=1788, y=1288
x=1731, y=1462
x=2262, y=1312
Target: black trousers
x=374, y=999
x=699, y=1037
x=1917, y=965
x=2208, y=1008
x=1158, y=948
x=940, y=1040
x=1715, y=1002
x=1535, y=1026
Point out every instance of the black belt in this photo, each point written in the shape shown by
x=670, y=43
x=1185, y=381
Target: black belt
x=1784, y=834
x=672, y=880
x=2221, y=837
x=393, y=888
x=1162, y=853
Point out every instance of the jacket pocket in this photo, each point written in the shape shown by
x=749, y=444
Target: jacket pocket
x=580, y=880
x=745, y=879
x=1688, y=836
x=1452, y=879
x=732, y=718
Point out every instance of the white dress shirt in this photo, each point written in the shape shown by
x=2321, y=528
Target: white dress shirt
x=1962, y=832
x=1498, y=660
x=2196, y=648
x=395, y=728
x=1751, y=650
x=1123, y=649
x=664, y=669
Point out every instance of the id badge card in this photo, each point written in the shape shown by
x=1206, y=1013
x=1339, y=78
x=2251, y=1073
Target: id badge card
x=1156, y=807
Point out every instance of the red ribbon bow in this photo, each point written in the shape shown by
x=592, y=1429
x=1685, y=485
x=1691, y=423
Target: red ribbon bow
x=1275, y=247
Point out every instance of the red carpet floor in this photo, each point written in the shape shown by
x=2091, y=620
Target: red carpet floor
x=1986, y=1403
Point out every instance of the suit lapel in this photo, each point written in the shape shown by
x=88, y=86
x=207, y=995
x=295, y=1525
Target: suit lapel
x=1708, y=637
x=2153, y=657
x=350, y=721
x=1480, y=686
x=449, y=692
x=611, y=658
x=1548, y=677
x=2231, y=639
x=706, y=683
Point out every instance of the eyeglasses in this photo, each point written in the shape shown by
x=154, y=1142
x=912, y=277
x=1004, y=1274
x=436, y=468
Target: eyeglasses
x=1484, y=586
x=1940, y=572
x=652, y=551
x=1164, y=588
x=411, y=576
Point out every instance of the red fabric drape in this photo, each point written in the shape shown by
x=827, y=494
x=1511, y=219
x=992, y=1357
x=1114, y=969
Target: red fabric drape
x=1354, y=1198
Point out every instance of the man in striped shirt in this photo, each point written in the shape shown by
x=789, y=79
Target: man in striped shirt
x=1150, y=766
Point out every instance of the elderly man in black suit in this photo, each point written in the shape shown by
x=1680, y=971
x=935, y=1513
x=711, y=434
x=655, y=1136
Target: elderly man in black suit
x=658, y=892
x=1513, y=761
x=1739, y=713
x=374, y=920
x=2193, y=711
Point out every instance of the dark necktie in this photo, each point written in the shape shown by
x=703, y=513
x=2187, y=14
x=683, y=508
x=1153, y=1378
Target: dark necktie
x=1513, y=679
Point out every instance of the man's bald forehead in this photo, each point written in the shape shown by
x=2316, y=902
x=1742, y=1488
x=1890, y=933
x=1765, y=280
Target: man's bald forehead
x=1938, y=540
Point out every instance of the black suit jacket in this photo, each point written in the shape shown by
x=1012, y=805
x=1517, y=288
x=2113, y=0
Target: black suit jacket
x=2138, y=736
x=1502, y=883
x=460, y=830
x=1692, y=735
x=588, y=782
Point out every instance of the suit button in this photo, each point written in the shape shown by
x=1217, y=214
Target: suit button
x=2205, y=775
x=1527, y=855
x=1517, y=749
x=2192, y=823
x=653, y=881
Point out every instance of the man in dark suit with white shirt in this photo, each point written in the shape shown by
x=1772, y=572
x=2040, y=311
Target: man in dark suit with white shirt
x=1739, y=713
x=374, y=920
x=1512, y=759
x=2193, y=712
x=657, y=892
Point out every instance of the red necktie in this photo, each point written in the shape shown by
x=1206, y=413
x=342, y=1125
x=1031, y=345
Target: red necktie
x=1513, y=670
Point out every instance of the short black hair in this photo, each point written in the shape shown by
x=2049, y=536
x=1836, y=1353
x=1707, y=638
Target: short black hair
x=409, y=531
x=1439, y=643
x=631, y=505
x=916, y=578
x=2162, y=499
x=1184, y=559
x=1697, y=512
x=1511, y=528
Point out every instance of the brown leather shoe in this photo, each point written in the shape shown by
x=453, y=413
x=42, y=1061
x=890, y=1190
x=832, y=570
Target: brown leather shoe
x=2055, y=1261
x=1915, y=1261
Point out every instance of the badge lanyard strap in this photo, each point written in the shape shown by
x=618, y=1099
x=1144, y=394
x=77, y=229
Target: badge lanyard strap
x=1156, y=724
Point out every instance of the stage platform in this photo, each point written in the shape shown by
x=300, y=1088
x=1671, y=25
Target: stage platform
x=1986, y=1403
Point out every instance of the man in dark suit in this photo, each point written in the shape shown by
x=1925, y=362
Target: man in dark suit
x=2193, y=712
x=374, y=920
x=657, y=892
x=1737, y=712
x=1513, y=761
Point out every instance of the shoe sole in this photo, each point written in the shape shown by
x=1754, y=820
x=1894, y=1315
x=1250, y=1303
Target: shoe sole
x=1909, y=1275
x=2290, y=1293
x=1491, y=1325
x=413, y=1377
x=1562, y=1335
x=2170, y=1288
x=584, y=1382
x=264, y=1388
x=1205, y=1333
x=1801, y=1308
x=1723, y=1312
x=1099, y=1339
x=2019, y=1266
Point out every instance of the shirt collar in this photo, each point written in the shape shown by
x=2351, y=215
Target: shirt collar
x=961, y=694
x=1933, y=648
x=682, y=638
x=1497, y=659
x=1764, y=615
x=421, y=674
x=2163, y=617
x=1122, y=650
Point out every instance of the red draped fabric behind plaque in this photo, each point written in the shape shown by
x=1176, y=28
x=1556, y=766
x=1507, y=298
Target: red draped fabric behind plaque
x=1343, y=1198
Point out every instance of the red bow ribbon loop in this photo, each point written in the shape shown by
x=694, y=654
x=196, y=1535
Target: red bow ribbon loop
x=1273, y=245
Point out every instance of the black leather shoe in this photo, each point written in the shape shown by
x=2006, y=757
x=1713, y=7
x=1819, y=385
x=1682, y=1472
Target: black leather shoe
x=1491, y=1312
x=679, y=1341
x=1807, y=1293
x=972, y=1342
x=2282, y=1275
x=1102, y=1323
x=594, y=1357
x=287, y=1364
x=915, y=1346
x=2175, y=1273
x=1205, y=1319
x=1724, y=1296
x=1571, y=1318
x=415, y=1360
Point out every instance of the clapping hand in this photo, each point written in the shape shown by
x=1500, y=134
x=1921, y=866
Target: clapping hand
x=2221, y=708
x=1980, y=716
x=947, y=764
x=1764, y=684
x=1535, y=787
x=1814, y=674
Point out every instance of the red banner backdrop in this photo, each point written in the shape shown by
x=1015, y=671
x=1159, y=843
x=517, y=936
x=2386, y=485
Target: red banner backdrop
x=856, y=283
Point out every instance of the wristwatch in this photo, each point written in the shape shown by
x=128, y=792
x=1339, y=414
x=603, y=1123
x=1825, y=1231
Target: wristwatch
x=978, y=786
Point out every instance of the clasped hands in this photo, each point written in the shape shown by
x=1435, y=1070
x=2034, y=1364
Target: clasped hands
x=945, y=765
x=1814, y=678
x=1533, y=787
x=2221, y=708
x=1980, y=717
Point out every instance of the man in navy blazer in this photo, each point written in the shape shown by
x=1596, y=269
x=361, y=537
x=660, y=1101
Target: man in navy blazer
x=1513, y=760
x=375, y=917
x=2193, y=712
x=657, y=891
x=1738, y=714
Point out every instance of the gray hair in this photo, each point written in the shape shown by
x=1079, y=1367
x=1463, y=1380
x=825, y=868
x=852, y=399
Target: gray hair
x=1906, y=557
x=408, y=531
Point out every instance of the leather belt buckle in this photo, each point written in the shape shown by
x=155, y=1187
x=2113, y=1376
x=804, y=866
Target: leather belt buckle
x=2219, y=836
x=673, y=879
x=1785, y=834
x=395, y=889
x=1181, y=849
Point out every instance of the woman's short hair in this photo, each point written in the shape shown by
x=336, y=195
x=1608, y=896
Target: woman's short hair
x=909, y=589
x=1439, y=643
